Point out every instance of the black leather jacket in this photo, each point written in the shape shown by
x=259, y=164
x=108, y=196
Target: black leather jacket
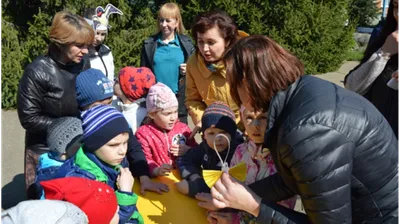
x=147, y=59
x=335, y=150
x=46, y=91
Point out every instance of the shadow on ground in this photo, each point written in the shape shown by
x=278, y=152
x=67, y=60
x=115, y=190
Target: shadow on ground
x=13, y=192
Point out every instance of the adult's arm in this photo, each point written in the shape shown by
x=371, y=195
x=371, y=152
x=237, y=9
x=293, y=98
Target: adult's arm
x=143, y=58
x=31, y=91
x=194, y=102
x=361, y=78
x=136, y=158
x=320, y=161
x=272, y=188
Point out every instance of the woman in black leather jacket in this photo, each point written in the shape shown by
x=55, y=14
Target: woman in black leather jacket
x=167, y=52
x=47, y=88
x=331, y=146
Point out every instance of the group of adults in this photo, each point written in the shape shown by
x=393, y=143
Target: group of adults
x=336, y=149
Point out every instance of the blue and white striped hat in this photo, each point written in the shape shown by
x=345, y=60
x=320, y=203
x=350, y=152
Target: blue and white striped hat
x=101, y=124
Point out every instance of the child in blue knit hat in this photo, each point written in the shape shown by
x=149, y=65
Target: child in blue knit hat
x=93, y=88
x=102, y=157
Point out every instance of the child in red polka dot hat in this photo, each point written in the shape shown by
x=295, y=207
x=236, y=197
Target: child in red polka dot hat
x=96, y=199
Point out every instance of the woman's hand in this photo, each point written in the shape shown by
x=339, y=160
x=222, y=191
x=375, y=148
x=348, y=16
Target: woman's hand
x=146, y=184
x=219, y=217
x=163, y=170
x=229, y=193
x=206, y=201
x=182, y=69
x=179, y=150
x=391, y=44
x=125, y=180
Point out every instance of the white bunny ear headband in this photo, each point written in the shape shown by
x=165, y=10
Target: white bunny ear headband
x=100, y=20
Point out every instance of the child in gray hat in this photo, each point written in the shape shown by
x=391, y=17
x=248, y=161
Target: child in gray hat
x=63, y=139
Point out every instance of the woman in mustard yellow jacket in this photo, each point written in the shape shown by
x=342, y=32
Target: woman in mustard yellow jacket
x=206, y=82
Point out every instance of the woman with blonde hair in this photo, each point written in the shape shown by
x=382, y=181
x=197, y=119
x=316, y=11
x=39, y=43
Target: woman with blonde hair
x=166, y=53
x=47, y=88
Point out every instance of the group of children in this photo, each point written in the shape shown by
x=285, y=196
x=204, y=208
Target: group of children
x=97, y=147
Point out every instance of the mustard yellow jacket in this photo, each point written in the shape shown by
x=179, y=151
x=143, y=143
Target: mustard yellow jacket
x=203, y=87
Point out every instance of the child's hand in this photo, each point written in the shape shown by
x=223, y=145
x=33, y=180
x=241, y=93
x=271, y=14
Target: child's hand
x=396, y=75
x=163, y=170
x=125, y=180
x=179, y=150
x=183, y=187
x=219, y=217
x=206, y=201
x=148, y=185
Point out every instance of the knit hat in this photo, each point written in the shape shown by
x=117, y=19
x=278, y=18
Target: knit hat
x=91, y=86
x=160, y=97
x=63, y=133
x=45, y=212
x=101, y=124
x=95, y=198
x=136, y=82
x=221, y=116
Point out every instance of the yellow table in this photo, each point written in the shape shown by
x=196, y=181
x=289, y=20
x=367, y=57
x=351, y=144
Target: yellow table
x=171, y=207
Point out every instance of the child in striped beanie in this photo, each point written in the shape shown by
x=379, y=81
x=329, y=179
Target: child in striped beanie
x=102, y=157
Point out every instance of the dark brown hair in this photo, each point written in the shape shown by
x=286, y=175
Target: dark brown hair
x=265, y=66
x=217, y=18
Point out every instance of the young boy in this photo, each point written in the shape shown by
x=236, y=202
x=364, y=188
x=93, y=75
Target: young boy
x=218, y=118
x=64, y=137
x=102, y=157
x=132, y=87
x=94, y=88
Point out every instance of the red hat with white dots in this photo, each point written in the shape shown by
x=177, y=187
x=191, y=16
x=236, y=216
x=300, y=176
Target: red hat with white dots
x=96, y=199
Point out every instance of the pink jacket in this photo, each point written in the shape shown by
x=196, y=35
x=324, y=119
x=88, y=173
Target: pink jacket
x=259, y=165
x=156, y=142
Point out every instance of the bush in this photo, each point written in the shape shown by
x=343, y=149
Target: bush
x=315, y=31
x=363, y=12
x=11, y=68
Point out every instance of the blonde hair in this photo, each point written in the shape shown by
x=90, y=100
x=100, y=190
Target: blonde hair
x=171, y=10
x=68, y=28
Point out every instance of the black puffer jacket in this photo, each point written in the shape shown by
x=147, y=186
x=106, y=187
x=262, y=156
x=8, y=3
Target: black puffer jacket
x=334, y=149
x=46, y=91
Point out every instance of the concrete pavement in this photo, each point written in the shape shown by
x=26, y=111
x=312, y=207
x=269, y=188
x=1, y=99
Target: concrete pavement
x=12, y=145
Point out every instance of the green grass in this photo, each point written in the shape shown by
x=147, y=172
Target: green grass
x=354, y=55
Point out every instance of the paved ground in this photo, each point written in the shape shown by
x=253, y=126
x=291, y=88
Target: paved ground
x=12, y=145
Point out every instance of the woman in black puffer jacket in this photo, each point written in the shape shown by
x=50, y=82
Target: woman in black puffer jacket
x=47, y=88
x=331, y=146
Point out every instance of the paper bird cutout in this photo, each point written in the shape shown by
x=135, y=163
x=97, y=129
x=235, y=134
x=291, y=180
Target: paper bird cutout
x=238, y=172
x=101, y=17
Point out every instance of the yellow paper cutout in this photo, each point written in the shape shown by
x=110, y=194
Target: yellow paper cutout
x=238, y=172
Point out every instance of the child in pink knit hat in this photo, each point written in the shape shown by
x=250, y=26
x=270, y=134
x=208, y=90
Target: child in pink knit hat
x=165, y=138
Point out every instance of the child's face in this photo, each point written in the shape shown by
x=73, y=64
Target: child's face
x=117, y=89
x=166, y=118
x=106, y=101
x=114, y=151
x=255, y=124
x=221, y=143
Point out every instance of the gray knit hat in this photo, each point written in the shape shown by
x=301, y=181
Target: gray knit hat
x=63, y=133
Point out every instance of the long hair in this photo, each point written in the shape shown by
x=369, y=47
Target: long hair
x=388, y=28
x=265, y=67
x=68, y=28
x=171, y=10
